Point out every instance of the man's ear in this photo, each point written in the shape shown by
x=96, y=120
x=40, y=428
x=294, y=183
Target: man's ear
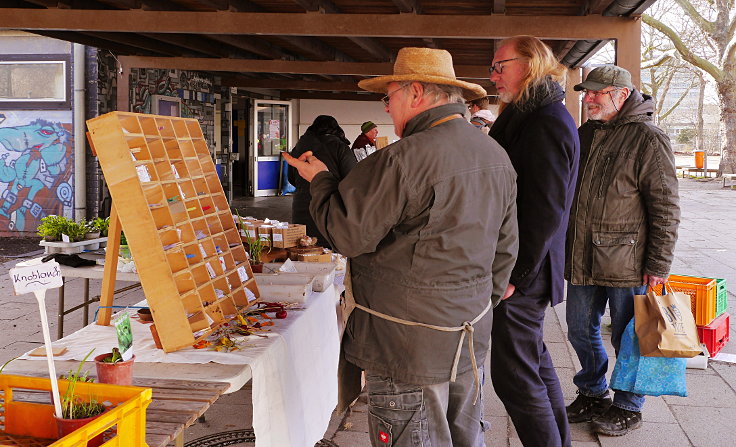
x=417, y=92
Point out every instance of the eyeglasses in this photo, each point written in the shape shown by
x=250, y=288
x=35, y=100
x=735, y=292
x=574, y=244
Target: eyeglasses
x=498, y=68
x=597, y=93
x=385, y=100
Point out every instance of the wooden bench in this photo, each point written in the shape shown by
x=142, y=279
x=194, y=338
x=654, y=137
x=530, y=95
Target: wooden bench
x=704, y=172
x=728, y=176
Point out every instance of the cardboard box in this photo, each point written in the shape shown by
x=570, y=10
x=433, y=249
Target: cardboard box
x=249, y=228
x=265, y=233
x=308, y=257
x=288, y=237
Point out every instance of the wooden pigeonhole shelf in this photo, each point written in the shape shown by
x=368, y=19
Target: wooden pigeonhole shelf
x=177, y=221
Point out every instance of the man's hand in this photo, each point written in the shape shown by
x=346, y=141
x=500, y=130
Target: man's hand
x=307, y=164
x=509, y=291
x=652, y=281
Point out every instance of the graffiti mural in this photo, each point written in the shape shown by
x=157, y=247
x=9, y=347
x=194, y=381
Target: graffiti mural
x=36, y=163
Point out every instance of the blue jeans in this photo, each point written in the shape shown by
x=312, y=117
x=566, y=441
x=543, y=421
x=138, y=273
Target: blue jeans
x=585, y=307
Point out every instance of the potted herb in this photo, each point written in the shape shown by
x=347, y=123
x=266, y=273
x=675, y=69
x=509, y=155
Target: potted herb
x=101, y=225
x=256, y=245
x=92, y=231
x=111, y=368
x=52, y=227
x=76, y=230
x=76, y=411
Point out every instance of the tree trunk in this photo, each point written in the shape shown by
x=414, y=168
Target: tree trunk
x=727, y=97
x=699, y=137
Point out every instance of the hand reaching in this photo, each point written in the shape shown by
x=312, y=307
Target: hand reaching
x=307, y=164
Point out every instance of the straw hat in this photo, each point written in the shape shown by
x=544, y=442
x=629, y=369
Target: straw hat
x=423, y=65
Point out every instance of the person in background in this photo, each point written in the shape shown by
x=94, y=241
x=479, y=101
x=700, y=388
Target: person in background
x=365, y=144
x=326, y=139
x=541, y=139
x=429, y=226
x=480, y=115
x=622, y=234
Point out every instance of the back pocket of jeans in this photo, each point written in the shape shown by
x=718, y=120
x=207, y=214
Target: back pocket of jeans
x=398, y=418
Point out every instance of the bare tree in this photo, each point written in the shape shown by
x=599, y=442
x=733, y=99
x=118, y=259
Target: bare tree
x=715, y=22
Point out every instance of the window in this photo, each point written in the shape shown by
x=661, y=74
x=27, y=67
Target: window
x=35, y=81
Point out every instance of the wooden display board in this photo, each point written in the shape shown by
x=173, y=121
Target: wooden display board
x=177, y=221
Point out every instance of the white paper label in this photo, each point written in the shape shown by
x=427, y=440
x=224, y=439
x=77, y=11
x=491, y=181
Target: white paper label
x=288, y=267
x=278, y=237
x=222, y=263
x=201, y=250
x=251, y=233
x=174, y=171
x=250, y=295
x=242, y=274
x=65, y=238
x=210, y=270
x=264, y=237
x=39, y=276
x=143, y=174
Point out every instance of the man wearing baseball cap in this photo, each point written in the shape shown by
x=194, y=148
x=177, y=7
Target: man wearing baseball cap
x=621, y=236
x=429, y=225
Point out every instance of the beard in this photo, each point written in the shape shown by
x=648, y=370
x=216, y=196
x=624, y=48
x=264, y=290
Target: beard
x=595, y=112
x=506, y=97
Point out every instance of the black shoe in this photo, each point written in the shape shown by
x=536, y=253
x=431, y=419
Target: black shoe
x=585, y=408
x=617, y=421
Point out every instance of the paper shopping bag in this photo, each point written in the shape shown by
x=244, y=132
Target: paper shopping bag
x=652, y=376
x=665, y=324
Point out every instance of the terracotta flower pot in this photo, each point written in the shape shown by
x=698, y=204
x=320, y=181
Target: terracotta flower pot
x=66, y=426
x=120, y=373
x=257, y=268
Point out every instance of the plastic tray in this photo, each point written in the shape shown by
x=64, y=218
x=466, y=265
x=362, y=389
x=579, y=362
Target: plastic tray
x=324, y=272
x=72, y=247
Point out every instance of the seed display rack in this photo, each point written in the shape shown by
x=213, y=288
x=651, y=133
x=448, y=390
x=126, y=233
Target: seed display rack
x=177, y=221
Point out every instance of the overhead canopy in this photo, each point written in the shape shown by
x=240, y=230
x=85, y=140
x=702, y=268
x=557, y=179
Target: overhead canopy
x=322, y=48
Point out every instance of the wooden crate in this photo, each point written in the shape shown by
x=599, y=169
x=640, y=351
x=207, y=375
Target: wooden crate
x=176, y=218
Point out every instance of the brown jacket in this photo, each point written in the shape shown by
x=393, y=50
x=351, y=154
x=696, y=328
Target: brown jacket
x=429, y=223
x=624, y=218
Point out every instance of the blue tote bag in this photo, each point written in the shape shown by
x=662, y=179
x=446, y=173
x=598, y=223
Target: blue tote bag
x=652, y=376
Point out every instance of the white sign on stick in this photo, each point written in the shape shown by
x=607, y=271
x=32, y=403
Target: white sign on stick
x=42, y=276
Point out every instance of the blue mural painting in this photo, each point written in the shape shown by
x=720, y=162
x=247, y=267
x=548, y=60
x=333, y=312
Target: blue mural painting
x=36, y=163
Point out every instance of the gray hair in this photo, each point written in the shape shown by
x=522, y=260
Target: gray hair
x=439, y=92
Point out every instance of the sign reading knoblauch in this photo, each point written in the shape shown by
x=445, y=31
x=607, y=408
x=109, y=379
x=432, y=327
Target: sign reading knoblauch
x=35, y=276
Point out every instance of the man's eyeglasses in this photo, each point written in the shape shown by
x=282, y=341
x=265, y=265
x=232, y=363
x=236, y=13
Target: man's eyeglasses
x=597, y=93
x=498, y=68
x=387, y=98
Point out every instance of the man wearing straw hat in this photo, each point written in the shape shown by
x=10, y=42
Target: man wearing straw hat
x=429, y=225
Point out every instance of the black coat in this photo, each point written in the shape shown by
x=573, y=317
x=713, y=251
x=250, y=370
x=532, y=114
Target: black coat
x=542, y=143
x=333, y=152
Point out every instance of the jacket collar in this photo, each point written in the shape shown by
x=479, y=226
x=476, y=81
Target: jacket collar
x=425, y=119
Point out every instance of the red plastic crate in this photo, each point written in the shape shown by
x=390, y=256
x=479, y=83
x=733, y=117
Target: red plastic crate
x=716, y=335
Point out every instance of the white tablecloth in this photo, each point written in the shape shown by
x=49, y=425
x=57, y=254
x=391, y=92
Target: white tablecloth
x=294, y=369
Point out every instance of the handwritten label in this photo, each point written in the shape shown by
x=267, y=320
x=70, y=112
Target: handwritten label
x=288, y=266
x=36, y=277
x=143, y=174
x=242, y=274
x=278, y=237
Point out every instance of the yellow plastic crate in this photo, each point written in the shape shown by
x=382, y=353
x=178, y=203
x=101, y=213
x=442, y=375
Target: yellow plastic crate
x=28, y=422
x=702, y=293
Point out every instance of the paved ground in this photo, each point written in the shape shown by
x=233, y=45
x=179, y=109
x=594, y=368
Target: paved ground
x=705, y=418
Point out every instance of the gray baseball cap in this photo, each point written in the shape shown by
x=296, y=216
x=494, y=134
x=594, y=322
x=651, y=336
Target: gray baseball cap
x=606, y=76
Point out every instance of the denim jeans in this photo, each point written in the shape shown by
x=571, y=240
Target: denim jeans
x=585, y=307
x=408, y=415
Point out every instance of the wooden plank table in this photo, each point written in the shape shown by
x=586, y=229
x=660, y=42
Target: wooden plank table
x=176, y=405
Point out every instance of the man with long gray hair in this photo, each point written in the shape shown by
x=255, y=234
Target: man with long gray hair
x=541, y=139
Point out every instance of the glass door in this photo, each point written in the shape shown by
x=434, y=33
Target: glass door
x=271, y=136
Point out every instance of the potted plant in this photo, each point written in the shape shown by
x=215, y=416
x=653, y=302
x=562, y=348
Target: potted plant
x=52, y=227
x=256, y=245
x=101, y=225
x=77, y=412
x=76, y=230
x=112, y=369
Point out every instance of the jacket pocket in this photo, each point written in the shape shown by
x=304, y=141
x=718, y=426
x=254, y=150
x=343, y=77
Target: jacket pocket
x=615, y=256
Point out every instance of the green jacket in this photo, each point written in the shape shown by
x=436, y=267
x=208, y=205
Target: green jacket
x=624, y=218
x=429, y=225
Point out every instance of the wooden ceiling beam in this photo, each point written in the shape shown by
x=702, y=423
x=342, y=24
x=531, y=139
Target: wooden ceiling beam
x=199, y=44
x=291, y=85
x=137, y=41
x=296, y=67
x=244, y=6
x=339, y=25
x=344, y=96
x=251, y=45
x=117, y=47
x=407, y=6
x=315, y=48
